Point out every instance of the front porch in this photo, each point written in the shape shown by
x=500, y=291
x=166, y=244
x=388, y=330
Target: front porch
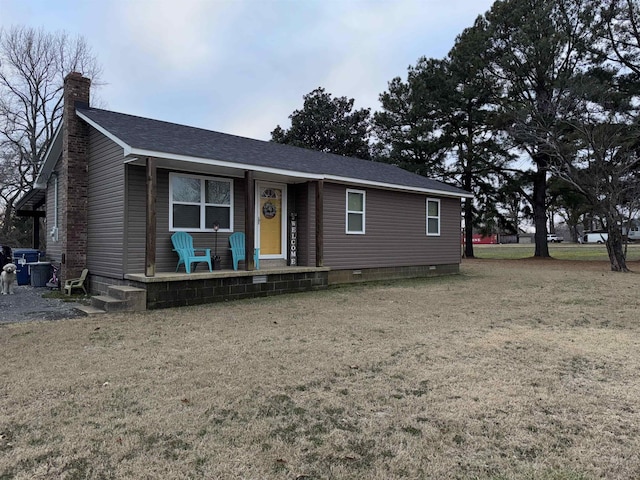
x=178, y=289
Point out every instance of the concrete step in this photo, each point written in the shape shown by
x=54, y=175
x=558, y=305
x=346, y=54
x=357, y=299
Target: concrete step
x=89, y=310
x=134, y=298
x=108, y=303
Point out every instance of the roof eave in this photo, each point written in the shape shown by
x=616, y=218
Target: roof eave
x=135, y=153
x=131, y=154
x=50, y=159
x=398, y=187
x=33, y=199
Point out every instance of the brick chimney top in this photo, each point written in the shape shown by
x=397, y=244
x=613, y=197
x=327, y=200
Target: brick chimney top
x=76, y=89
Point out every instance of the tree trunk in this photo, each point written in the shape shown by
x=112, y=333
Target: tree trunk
x=615, y=248
x=468, y=216
x=539, y=209
x=7, y=219
x=468, y=228
x=574, y=233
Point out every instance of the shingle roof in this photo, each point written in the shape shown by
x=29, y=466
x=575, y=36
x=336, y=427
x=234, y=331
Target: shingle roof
x=170, y=138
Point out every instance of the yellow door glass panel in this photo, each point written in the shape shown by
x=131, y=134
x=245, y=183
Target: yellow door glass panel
x=270, y=221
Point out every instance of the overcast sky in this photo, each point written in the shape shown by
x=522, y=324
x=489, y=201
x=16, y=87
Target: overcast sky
x=242, y=66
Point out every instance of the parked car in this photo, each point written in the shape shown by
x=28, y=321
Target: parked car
x=553, y=238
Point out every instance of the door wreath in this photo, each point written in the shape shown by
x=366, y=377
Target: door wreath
x=269, y=210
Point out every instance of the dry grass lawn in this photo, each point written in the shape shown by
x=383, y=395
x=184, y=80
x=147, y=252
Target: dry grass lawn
x=514, y=369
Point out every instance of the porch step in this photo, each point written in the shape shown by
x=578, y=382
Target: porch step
x=89, y=310
x=108, y=303
x=134, y=298
x=121, y=298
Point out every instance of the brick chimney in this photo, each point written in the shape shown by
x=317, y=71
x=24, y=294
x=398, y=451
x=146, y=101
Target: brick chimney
x=74, y=177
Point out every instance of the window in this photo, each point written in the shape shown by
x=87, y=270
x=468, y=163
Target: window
x=197, y=203
x=355, y=211
x=433, y=217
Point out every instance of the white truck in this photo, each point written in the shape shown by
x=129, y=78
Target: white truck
x=595, y=237
x=633, y=235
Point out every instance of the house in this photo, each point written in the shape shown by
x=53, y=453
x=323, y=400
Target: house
x=117, y=186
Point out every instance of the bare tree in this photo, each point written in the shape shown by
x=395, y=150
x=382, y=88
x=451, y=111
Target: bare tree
x=605, y=171
x=597, y=151
x=33, y=64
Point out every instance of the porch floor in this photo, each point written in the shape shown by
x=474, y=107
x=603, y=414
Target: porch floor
x=205, y=275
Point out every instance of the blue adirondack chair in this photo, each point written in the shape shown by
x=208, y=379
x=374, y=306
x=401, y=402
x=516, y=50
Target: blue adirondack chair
x=183, y=245
x=236, y=240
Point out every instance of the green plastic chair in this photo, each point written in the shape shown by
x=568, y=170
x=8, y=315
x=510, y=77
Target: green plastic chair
x=183, y=246
x=236, y=240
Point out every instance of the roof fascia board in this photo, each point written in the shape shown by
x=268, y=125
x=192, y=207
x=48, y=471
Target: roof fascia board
x=220, y=163
x=394, y=186
x=105, y=132
x=50, y=158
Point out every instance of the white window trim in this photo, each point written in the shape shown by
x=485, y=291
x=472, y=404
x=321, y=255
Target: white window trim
x=437, y=200
x=363, y=212
x=202, y=203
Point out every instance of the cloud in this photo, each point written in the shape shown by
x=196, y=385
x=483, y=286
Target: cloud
x=257, y=123
x=242, y=66
x=180, y=36
x=352, y=49
x=375, y=41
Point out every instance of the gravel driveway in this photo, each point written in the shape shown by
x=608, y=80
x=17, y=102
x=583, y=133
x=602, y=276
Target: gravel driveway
x=27, y=304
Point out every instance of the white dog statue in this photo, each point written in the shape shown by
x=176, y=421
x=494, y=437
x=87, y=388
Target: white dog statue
x=8, y=278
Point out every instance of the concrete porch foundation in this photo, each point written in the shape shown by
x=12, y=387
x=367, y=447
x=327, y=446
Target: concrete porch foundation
x=178, y=289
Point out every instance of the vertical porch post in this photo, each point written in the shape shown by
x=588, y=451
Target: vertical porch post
x=36, y=231
x=249, y=219
x=319, y=223
x=150, y=248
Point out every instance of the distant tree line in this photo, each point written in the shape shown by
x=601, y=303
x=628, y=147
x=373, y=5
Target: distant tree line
x=534, y=110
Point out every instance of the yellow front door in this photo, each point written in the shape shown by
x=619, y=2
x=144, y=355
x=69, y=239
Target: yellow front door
x=270, y=212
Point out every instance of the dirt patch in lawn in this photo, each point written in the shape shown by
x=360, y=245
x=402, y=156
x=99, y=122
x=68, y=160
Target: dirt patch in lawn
x=513, y=369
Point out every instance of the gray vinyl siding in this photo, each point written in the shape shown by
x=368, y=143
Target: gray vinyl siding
x=137, y=221
x=105, y=235
x=166, y=258
x=135, y=238
x=395, y=228
x=53, y=247
x=395, y=231
x=304, y=206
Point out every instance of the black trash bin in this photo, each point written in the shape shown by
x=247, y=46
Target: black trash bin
x=21, y=257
